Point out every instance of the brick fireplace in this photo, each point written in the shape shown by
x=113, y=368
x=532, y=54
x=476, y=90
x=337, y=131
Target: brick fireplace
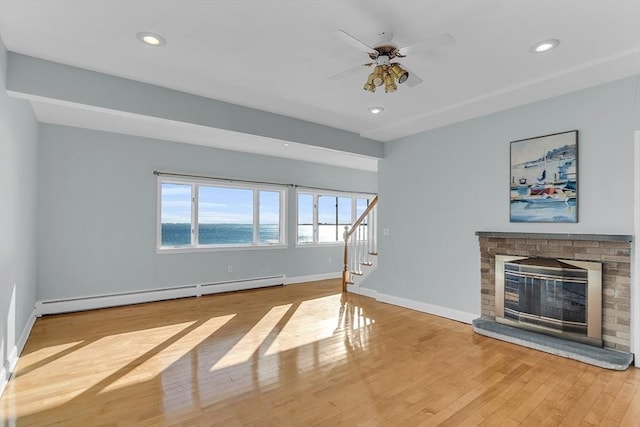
x=613, y=251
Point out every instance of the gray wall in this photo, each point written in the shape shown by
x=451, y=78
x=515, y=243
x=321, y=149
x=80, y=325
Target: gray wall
x=439, y=187
x=97, y=222
x=18, y=197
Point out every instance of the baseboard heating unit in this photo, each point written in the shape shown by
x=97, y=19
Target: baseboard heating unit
x=136, y=297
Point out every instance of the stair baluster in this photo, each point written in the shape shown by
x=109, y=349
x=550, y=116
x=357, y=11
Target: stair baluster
x=359, y=244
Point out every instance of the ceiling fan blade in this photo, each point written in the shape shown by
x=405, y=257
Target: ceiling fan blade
x=349, y=39
x=433, y=43
x=413, y=80
x=348, y=72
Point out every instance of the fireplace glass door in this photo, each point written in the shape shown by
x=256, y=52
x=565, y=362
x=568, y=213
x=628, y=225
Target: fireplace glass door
x=557, y=297
x=548, y=296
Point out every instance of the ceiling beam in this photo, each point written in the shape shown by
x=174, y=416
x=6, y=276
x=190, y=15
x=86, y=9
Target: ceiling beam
x=45, y=81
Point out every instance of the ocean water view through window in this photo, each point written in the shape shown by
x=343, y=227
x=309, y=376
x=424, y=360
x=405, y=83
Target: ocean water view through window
x=195, y=214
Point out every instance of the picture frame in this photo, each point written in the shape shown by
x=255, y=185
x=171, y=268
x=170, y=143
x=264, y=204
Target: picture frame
x=544, y=178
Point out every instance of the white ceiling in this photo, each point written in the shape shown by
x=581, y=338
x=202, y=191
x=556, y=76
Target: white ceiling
x=277, y=55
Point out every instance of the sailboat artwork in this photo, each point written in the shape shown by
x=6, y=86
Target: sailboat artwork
x=544, y=179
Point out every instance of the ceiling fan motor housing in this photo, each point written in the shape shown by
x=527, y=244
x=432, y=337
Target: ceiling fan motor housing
x=388, y=50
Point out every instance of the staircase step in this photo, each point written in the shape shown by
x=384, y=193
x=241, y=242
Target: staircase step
x=357, y=273
x=367, y=263
x=373, y=253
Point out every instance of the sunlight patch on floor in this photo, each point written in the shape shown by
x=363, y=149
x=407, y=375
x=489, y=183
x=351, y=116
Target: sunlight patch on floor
x=116, y=353
x=167, y=356
x=37, y=356
x=249, y=344
x=322, y=316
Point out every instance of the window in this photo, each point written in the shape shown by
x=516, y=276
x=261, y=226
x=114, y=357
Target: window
x=333, y=214
x=176, y=214
x=206, y=215
x=269, y=216
x=322, y=217
x=305, y=218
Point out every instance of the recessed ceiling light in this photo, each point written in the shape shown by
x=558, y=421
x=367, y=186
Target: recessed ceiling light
x=545, y=46
x=376, y=110
x=286, y=144
x=152, y=39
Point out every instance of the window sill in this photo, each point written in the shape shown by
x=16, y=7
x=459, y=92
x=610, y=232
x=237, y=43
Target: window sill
x=168, y=250
x=319, y=245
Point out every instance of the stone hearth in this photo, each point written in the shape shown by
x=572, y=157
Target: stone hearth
x=602, y=357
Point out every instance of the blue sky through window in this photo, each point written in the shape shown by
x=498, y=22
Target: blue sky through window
x=217, y=205
x=327, y=210
x=220, y=205
x=305, y=209
x=269, y=207
x=361, y=206
x=176, y=204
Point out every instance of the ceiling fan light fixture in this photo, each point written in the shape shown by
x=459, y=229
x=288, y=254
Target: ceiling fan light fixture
x=388, y=79
x=399, y=73
x=389, y=84
x=383, y=52
x=378, y=76
x=369, y=86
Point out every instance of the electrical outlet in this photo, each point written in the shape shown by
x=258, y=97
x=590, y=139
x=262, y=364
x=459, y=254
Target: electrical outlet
x=230, y=269
x=385, y=231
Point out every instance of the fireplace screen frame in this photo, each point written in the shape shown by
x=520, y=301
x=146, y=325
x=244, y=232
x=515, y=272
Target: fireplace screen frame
x=594, y=301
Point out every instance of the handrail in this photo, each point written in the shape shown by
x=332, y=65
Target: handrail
x=347, y=235
x=355, y=225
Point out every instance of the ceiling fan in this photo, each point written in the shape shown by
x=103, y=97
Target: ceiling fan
x=382, y=53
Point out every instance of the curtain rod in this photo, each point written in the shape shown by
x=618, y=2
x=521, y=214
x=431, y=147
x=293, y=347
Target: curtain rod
x=247, y=181
x=182, y=175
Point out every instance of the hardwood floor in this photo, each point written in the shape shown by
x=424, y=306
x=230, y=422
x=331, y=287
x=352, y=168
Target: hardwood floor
x=298, y=355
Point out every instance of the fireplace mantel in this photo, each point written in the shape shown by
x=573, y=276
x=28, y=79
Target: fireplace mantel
x=556, y=236
x=612, y=250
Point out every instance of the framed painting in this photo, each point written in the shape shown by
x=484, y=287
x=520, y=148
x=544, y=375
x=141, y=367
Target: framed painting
x=544, y=178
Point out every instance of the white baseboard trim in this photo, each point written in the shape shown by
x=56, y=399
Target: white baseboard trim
x=361, y=290
x=449, y=313
x=136, y=297
x=368, y=292
x=353, y=289
x=150, y=295
x=4, y=379
x=312, y=278
x=241, y=285
x=22, y=341
x=14, y=353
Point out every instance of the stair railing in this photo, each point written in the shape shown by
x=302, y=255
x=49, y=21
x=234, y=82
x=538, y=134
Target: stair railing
x=360, y=243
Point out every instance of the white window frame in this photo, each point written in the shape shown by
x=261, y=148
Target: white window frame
x=198, y=182
x=316, y=194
